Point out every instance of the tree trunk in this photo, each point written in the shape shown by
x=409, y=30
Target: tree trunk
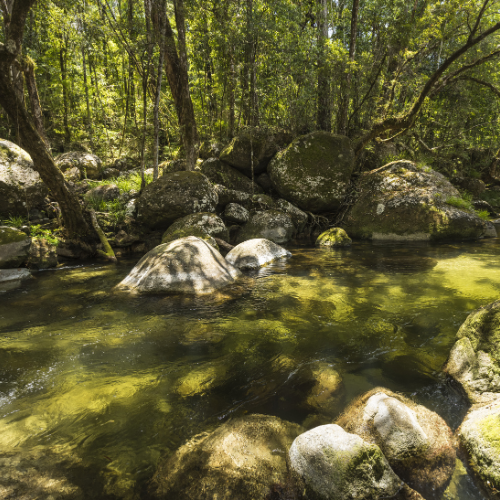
x=156, y=113
x=324, y=111
x=62, y=64
x=87, y=99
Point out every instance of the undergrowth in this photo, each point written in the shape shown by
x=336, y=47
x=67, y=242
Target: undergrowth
x=15, y=221
x=36, y=232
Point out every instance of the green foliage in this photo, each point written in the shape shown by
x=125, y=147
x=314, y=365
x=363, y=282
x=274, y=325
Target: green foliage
x=460, y=203
x=483, y=214
x=38, y=232
x=96, y=203
x=15, y=221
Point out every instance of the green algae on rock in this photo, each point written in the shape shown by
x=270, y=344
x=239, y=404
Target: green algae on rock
x=313, y=172
x=334, y=237
x=474, y=360
x=402, y=202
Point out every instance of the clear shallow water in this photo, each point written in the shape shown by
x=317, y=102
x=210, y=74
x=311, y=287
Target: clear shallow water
x=99, y=385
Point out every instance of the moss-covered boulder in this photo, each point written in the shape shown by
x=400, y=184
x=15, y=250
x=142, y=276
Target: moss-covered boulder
x=219, y=172
x=89, y=165
x=314, y=171
x=184, y=232
x=187, y=265
x=241, y=460
x=236, y=213
x=263, y=143
x=474, y=361
x=21, y=188
x=42, y=255
x=210, y=149
x=105, y=192
x=479, y=435
x=252, y=254
x=227, y=196
x=173, y=196
x=299, y=217
x=14, y=247
x=270, y=224
x=207, y=222
x=334, y=237
x=336, y=465
x=404, y=202
x=417, y=442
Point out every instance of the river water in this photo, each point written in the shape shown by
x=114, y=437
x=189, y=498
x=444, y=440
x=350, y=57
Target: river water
x=95, y=387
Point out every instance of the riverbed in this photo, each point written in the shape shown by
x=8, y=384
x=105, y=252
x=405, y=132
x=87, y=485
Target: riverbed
x=96, y=386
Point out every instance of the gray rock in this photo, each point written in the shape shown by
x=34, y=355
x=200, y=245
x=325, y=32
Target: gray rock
x=207, y=222
x=42, y=255
x=314, y=171
x=105, y=192
x=14, y=247
x=219, y=172
x=227, y=196
x=490, y=230
x=14, y=274
x=263, y=202
x=184, y=232
x=173, y=196
x=271, y=224
x=252, y=254
x=73, y=174
x=110, y=173
x=236, y=213
x=337, y=465
x=210, y=149
x=299, y=217
x=89, y=165
x=125, y=163
x=187, y=265
x=21, y=188
x=241, y=460
x=131, y=208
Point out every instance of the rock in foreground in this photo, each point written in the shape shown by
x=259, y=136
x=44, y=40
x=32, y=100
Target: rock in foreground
x=336, y=465
x=241, y=460
x=187, y=265
x=255, y=253
x=474, y=360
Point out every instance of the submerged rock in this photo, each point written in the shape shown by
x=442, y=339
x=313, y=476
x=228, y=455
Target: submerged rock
x=403, y=202
x=173, y=196
x=474, y=360
x=334, y=237
x=417, y=442
x=21, y=188
x=219, y=172
x=480, y=437
x=252, y=254
x=336, y=465
x=14, y=247
x=270, y=224
x=327, y=389
x=187, y=265
x=90, y=165
x=313, y=172
x=240, y=460
x=206, y=222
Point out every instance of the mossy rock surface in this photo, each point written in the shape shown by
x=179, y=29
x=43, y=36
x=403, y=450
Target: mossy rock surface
x=314, y=171
x=334, y=237
x=403, y=202
x=264, y=143
x=173, y=196
x=219, y=172
x=183, y=232
x=474, y=360
x=270, y=224
x=417, y=442
x=21, y=188
x=210, y=149
x=241, y=460
x=89, y=165
x=14, y=247
x=480, y=437
x=208, y=223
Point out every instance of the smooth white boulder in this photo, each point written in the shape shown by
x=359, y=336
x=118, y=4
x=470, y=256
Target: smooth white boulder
x=252, y=254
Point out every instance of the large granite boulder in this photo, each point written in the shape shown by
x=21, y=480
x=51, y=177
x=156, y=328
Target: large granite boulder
x=263, y=143
x=236, y=213
x=299, y=217
x=404, y=202
x=89, y=165
x=417, y=442
x=252, y=254
x=314, y=171
x=479, y=435
x=241, y=460
x=219, y=172
x=204, y=221
x=173, y=196
x=187, y=265
x=270, y=224
x=336, y=465
x=474, y=361
x=227, y=196
x=21, y=188
x=14, y=247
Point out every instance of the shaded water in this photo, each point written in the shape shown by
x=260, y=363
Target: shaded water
x=99, y=386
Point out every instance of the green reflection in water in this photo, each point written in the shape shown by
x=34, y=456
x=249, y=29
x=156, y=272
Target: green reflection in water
x=109, y=383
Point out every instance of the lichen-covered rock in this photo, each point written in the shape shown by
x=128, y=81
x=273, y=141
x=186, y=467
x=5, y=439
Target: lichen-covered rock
x=42, y=255
x=264, y=144
x=187, y=265
x=227, y=196
x=299, y=217
x=89, y=165
x=334, y=237
x=183, y=232
x=173, y=196
x=270, y=224
x=219, y=172
x=207, y=222
x=105, y=192
x=73, y=174
x=252, y=254
x=210, y=149
x=327, y=389
x=240, y=460
x=474, y=360
x=403, y=202
x=14, y=247
x=480, y=437
x=236, y=213
x=263, y=202
x=264, y=181
x=417, y=442
x=314, y=171
x=336, y=465
x=21, y=188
